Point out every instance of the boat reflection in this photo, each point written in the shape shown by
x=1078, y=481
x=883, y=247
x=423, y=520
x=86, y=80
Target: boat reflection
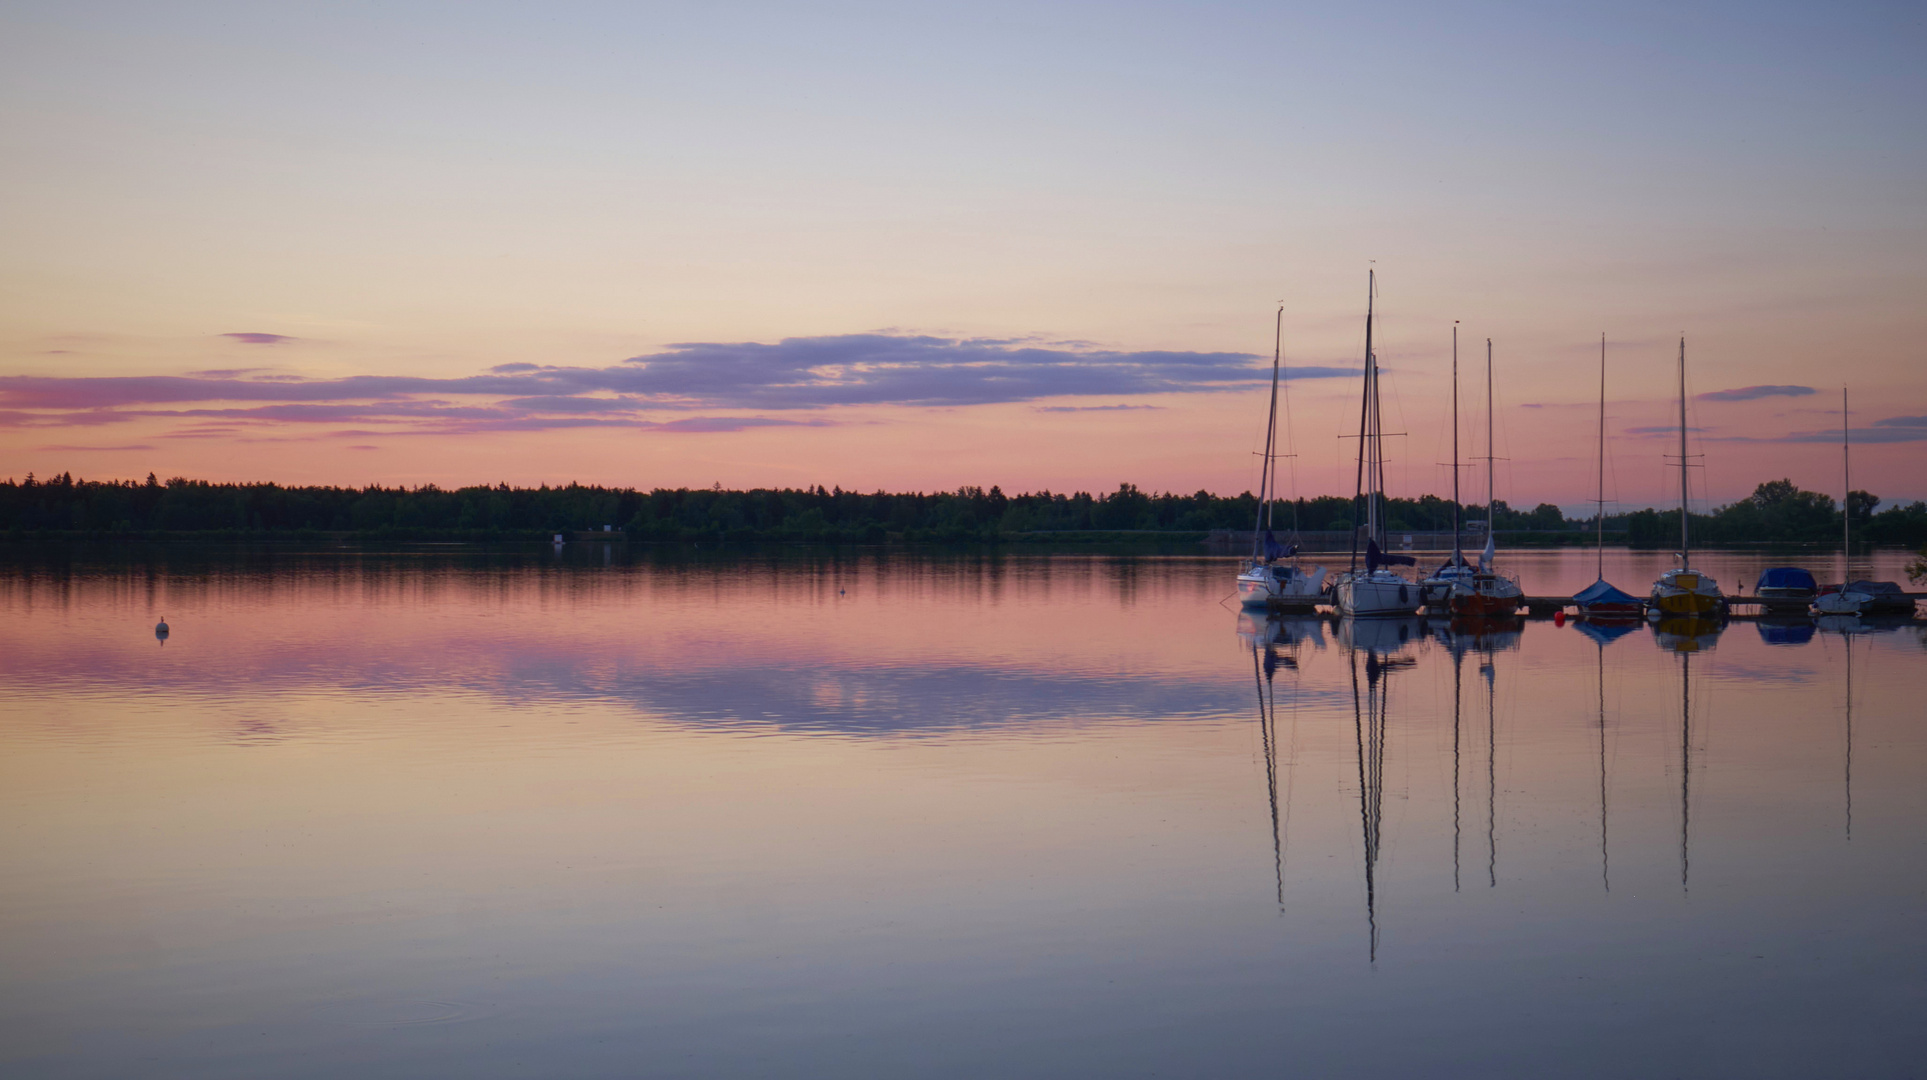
x=1606, y=631
x=1487, y=634
x=1265, y=664
x=1688, y=634
x=1785, y=629
x=1381, y=636
x=1291, y=632
x=1370, y=712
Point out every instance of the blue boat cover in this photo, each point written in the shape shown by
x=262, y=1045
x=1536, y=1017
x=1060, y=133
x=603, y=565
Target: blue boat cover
x=1375, y=558
x=1785, y=577
x=1601, y=593
x=1608, y=632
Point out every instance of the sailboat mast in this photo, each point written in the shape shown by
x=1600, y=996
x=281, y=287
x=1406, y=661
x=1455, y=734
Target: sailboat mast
x=1374, y=464
x=1599, y=518
x=1491, y=495
x=1682, y=453
x=1364, y=409
x=1457, y=555
x=1266, y=484
x=1846, y=478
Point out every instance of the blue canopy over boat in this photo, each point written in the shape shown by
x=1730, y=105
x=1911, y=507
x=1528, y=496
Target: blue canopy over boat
x=1786, y=577
x=1599, y=592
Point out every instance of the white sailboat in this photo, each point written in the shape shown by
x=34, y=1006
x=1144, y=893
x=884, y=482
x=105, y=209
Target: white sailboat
x=1374, y=589
x=1265, y=581
x=1844, y=600
x=1437, y=589
x=1684, y=590
x=1487, y=591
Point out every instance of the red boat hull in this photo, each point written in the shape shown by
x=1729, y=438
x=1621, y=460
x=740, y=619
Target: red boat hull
x=1480, y=604
x=1612, y=611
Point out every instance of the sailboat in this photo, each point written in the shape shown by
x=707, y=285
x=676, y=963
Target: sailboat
x=1266, y=582
x=1487, y=592
x=1375, y=590
x=1684, y=590
x=1845, y=600
x=1601, y=600
x=1437, y=589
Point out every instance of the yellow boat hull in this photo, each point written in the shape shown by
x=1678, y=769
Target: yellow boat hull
x=1686, y=603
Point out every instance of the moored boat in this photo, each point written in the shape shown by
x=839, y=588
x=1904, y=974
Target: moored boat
x=1785, y=588
x=1486, y=592
x=1375, y=590
x=1435, y=591
x=1601, y=600
x=1882, y=597
x=1684, y=591
x=1852, y=599
x=1265, y=581
x=1841, y=600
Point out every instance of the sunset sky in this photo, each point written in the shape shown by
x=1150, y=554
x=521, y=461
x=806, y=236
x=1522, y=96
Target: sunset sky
x=912, y=246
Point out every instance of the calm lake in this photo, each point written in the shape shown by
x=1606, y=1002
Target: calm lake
x=618, y=813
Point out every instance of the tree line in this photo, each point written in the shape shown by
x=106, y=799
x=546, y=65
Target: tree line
x=62, y=505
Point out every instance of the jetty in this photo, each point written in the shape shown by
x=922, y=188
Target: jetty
x=1546, y=606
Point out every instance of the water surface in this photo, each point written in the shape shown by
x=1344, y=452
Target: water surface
x=646, y=813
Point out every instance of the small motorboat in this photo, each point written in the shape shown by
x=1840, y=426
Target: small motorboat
x=1786, y=588
x=1882, y=597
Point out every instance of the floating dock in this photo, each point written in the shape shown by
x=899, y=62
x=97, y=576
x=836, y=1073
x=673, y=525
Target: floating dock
x=1549, y=605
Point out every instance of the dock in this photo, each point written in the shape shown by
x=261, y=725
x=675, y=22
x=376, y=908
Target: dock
x=1546, y=606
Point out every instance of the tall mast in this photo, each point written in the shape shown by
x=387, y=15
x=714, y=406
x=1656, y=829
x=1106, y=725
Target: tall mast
x=1375, y=463
x=1457, y=555
x=1271, y=426
x=1266, y=485
x=1600, y=517
x=1491, y=496
x=1846, y=477
x=1683, y=560
x=1364, y=408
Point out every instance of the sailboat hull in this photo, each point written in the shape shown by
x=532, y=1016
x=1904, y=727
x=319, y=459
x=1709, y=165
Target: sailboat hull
x=1613, y=610
x=1485, y=595
x=1281, y=587
x=1375, y=594
x=1685, y=603
x=1678, y=601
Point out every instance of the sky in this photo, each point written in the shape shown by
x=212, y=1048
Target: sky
x=917, y=246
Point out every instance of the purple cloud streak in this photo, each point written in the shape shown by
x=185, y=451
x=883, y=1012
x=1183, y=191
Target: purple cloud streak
x=796, y=374
x=1754, y=393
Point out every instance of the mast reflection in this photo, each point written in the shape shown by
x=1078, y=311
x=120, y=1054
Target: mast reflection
x=1487, y=637
x=1276, y=643
x=1371, y=708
